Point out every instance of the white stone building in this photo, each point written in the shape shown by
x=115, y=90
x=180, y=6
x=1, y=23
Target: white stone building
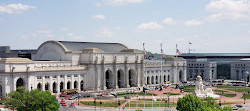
x=59, y=65
x=240, y=69
x=170, y=72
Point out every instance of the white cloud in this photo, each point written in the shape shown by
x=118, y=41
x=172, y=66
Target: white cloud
x=98, y=4
x=149, y=25
x=64, y=29
x=70, y=34
x=99, y=17
x=43, y=32
x=169, y=21
x=228, y=9
x=15, y=8
x=104, y=32
x=117, y=28
x=193, y=22
x=121, y=2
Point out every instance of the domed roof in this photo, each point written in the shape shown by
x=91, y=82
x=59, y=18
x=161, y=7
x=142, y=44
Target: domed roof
x=106, y=47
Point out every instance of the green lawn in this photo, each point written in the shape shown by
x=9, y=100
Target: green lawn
x=139, y=94
x=247, y=96
x=227, y=95
x=227, y=103
x=188, y=88
x=169, y=93
x=224, y=87
x=104, y=104
x=235, y=88
x=216, y=90
x=149, y=104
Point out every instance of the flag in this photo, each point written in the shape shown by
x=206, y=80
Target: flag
x=144, y=49
x=190, y=43
x=162, y=53
x=177, y=51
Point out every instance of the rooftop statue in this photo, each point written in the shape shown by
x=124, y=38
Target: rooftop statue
x=202, y=90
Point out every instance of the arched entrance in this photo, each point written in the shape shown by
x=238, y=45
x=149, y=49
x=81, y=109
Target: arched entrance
x=61, y=86
x=54, y=87
x=39, y=86
x=237, y=74
x=47, y=86
x=109, y=79
x=132, y=78
x=165, y=79
x=180, y=76
x=156, y=79
x=19, y=82
x=152, y=80
x=1, y=91
x=190, y=74
x=68, y=85
x=168, y=78
x=81, y=84
x=75, y=84
x=121, y=78
x=148, y=80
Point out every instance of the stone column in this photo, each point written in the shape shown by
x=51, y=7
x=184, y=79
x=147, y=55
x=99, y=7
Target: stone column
x=58, y=84
x=79, y=83
x=50, y=84
x=13, y=83
x=43, y=83
x=72, y=81
x=126, y=76
x=115, y=77
x=138, y=76
x=143, y=74
x=65, y=81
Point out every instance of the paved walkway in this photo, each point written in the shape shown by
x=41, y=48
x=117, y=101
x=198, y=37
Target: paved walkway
x=237, y=100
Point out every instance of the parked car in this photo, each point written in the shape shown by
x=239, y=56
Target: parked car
x=62, y=100
x=63, y=95
x=73, y=97
x=237, y=106
x=64, y=104
x=72, y=104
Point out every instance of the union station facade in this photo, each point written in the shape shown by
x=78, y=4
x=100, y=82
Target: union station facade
x=58, y=65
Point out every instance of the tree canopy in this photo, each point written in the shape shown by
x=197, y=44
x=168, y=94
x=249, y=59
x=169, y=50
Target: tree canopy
x=34, y=100
x=193, y=103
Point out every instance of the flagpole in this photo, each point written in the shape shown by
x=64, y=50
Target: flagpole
x=188, y=47
x=176, y=64
x=145, y=72
x=161, y=64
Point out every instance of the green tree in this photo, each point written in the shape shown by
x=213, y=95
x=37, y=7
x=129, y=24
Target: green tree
x=193, y=103
x=34, y=100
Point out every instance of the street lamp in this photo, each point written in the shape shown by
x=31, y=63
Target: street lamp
x=244, y=97
x=78, y=99
x=168, y=101
x=100, y=105
x=95, y=103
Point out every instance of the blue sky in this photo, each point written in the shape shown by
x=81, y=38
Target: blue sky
x=212, y=26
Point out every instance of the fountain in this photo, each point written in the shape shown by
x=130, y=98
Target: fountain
x=202, y=90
